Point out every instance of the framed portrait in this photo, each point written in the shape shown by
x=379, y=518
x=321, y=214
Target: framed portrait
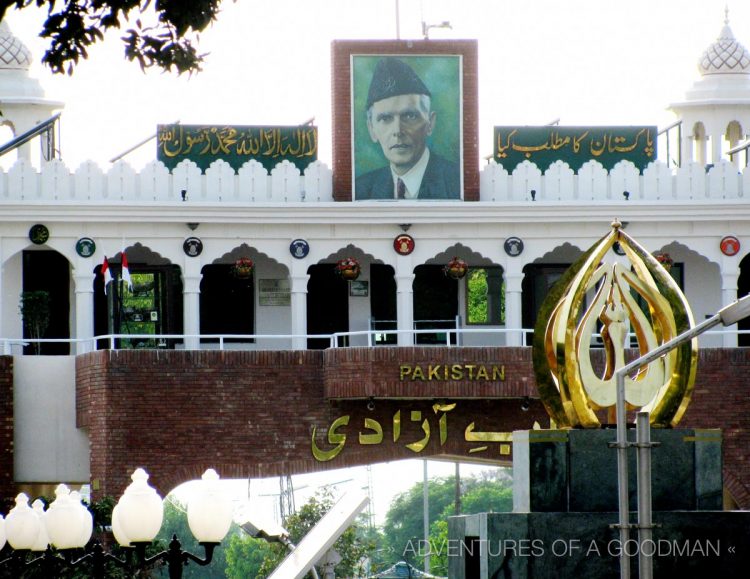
x=359, y=289
x=407, y=122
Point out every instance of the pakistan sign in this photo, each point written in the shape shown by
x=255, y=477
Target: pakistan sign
x=237, y=144
x=574, y=145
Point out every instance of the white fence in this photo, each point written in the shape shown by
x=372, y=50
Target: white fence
x=286, y=184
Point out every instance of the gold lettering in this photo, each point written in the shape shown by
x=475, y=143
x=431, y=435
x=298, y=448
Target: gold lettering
x=396, y=426
x=470, y=368
x=404, y=371
x=418, y=373
x=420, y=445
x=498, y=372
x=482, y=373
x=443, y=422
x=457, y=372
x=375, y=438
x=333, y=438
x=432, y=371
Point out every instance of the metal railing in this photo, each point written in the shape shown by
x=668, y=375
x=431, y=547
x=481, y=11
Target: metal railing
x=451, y=337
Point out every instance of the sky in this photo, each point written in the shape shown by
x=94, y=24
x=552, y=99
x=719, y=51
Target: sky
x=580, y=61
x=585, y=62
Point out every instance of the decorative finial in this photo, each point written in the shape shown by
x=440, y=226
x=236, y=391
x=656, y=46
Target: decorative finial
x=726, y=14
x=616, y=224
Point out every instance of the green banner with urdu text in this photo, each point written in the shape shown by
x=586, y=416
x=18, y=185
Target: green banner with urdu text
x=574, y=145
x=237, y=144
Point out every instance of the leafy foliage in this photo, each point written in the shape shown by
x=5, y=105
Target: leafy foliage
x=35, y=312
x=404, y=524
x=349, y=546
x=72, y=26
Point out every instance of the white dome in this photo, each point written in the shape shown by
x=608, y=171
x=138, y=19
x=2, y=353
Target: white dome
x=725, y=56
x=13, y=53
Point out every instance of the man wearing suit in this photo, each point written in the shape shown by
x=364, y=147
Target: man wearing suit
x=400, y=119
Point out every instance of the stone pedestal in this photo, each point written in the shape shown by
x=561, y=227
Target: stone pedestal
x=565, y=502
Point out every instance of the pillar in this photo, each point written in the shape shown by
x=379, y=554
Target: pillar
x=730, y=273
x=405, y=300
x=513, y=308
x=298, y=285
x=83, y=282
x=191, y=303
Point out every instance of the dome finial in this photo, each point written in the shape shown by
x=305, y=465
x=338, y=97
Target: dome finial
x=726, y=14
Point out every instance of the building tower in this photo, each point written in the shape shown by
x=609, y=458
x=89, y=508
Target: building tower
x=23, y=104
x=716, y=111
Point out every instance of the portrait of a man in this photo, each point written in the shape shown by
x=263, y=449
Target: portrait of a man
x=406, y=134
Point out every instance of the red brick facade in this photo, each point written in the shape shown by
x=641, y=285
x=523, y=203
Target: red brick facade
x=341, y=104
x=6, y=431
x=252, y=414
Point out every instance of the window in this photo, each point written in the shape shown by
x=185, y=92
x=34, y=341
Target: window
x=485, y=296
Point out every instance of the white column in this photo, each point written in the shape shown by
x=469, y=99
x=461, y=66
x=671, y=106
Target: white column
x=716, y=140
x=2, y=297
x=513, y=307
x=405, y=300
x=298, y=285
x=191, y=302
x=84, y=290
x=730, y=273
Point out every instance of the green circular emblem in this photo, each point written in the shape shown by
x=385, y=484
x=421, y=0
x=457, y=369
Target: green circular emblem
x=85, y=247
x=38, y=234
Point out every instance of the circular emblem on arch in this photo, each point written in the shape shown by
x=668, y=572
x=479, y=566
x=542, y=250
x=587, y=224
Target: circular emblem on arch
x=38, y=234
x=513, y=246
x=403, y=244
x=85, y=247
x=299, y=248
x=192, y=247
x=730, y=245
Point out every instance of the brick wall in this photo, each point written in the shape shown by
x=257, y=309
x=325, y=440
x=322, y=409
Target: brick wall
x=7, y=490
x=341, y=103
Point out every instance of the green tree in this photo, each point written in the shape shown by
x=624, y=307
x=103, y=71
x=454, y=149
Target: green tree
x=245, y=556
x=35, y=312
x=352, y=550
x=484, y=496
x=156, y=33
x=404, y=524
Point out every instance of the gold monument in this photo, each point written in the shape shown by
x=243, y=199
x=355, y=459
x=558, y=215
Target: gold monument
x=613, y=299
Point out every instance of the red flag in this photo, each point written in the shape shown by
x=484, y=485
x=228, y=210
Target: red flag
x=126, y=271
x=107, y=273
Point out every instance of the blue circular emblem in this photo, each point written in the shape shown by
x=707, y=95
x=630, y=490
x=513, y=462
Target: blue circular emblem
x=299, y=248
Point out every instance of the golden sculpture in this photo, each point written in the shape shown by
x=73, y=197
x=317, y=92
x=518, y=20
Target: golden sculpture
x=596, y=296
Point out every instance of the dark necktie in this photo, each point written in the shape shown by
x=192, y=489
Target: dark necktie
x=400, y=189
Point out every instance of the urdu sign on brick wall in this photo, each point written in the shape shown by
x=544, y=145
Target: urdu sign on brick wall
x=237, y=144
x=574, y=145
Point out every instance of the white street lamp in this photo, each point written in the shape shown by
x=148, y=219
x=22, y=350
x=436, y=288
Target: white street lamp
x=209, y=512
x=136, y=520
x=141, y=510
x=22, y=524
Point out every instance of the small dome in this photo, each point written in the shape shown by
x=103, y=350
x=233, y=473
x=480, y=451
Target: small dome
x=13, y=53
x=726, y=55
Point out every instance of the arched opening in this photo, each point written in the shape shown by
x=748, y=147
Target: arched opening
x=151, y=306
x=539, y=278
x=327, y=304
x=227, y=301
x=47, y=273
x=743, y=288
x=383, y=302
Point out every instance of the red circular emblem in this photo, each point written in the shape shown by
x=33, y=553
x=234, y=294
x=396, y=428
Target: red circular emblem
x=403, y=244
x=730, y=245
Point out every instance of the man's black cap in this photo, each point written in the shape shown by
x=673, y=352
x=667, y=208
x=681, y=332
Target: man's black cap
x=393, y=77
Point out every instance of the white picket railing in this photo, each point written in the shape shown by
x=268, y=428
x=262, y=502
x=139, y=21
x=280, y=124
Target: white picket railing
x=286, y=184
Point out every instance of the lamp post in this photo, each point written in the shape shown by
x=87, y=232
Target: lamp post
x=66, y=526
x=727, y=316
